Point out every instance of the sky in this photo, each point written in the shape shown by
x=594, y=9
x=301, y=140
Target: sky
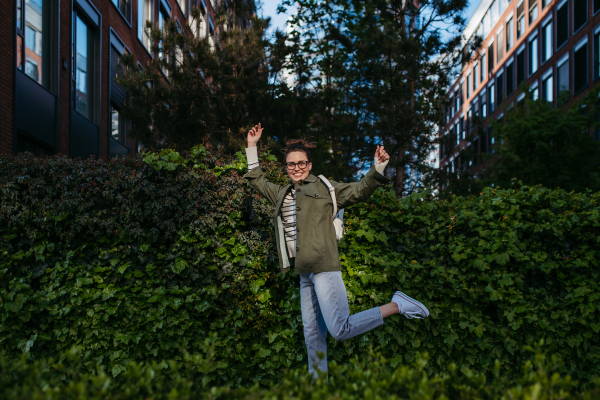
x=269, y=8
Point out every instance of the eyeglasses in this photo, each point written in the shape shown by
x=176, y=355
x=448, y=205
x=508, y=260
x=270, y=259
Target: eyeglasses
x=292, y=165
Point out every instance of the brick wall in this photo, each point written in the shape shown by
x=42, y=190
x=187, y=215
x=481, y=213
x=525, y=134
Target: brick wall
x=7, y=63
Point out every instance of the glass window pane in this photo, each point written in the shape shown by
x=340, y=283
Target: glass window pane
x=82, y=99
x=34, y=39
x=533, y=14
x=548, y=89
x=145, y=14
x=580, y=68
x=562, y=25
x=547, y=38
x=579, y=14
x=597, y=55
x=533, y=55
x=491, y=97
x=563, y=77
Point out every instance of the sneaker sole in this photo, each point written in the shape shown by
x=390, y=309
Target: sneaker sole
x=413, y=301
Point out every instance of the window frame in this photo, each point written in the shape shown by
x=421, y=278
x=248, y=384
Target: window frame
x=534, y=36
x=577, y=47
x=509, y=28
x=587, y=17
x=510, y=66
x=521, y=50
x=563, y=60
x=142, y=24
x=545, y=75
x=92, y=17
x=129, y=20
x=117, y=43
x=535, y=85
x=544, y=24
x=563, y=3
x=596, y=53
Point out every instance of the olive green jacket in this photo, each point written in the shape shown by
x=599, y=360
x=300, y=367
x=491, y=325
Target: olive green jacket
x=316, y=245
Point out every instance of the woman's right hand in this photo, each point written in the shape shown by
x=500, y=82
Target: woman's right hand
x=254, y=135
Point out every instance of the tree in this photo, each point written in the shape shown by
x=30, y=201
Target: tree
x=540, y=145
x=212, y=90
x=381, y=68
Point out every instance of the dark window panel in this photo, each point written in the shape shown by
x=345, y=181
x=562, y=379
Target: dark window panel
x=580, y=8
x=580, y=69
x=562, y=25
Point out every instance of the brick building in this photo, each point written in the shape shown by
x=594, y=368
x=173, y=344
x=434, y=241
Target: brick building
x=57, y=82
x=553, y=45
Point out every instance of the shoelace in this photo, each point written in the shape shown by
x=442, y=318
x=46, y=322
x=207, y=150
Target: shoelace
x=411, y=315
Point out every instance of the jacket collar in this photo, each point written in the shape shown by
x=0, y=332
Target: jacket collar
x=310, y=179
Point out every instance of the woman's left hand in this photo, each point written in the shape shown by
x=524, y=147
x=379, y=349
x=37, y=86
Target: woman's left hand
x=381, y=159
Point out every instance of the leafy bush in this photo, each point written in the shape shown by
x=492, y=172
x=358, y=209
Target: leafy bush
x=359, y=379
x=135, y=261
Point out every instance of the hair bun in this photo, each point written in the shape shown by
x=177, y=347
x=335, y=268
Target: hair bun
x=301, y=142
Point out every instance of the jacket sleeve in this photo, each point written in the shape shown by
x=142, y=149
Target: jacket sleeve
x=257, y=180
x=348, y=194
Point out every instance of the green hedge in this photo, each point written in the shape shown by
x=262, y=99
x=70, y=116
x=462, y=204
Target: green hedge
x=359, y=379
x=138, y=260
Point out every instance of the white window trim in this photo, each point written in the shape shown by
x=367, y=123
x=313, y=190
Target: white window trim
x=491, y=40
x=509, y=16
x=597, y=29
x=547, y=73
x=563, y=60
x=521, y=49
x=521, y=2
x=510, y=60
x=547, y=20
x=500, y=72
x=533, y=36
x=482, y=52
x=499, y=116
x=562, y=3
x=462, y=80
x=580, y=44
x=535, y=85
x=491, y=83
x=521, y=97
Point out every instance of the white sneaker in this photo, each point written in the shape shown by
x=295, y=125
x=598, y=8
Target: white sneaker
x=409, y=307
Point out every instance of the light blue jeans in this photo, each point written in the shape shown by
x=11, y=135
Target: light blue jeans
x=324, y=303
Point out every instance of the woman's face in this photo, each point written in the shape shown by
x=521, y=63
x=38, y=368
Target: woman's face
x=296, y=173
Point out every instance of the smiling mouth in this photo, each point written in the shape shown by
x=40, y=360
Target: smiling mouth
x=298, y=175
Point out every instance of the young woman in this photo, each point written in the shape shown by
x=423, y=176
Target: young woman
x=306, y=242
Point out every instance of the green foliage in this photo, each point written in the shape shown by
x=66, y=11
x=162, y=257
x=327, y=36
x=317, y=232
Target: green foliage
x=135, y=261
x=361, y=379
x=537, y=144
x=382, y=68
x=212, y=90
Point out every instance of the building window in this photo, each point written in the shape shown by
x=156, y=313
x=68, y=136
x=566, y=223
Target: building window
x=500, y=46
x=500, y=85
x=118, y=129
x=562, y=73
x=509, y=34
x=510, y=78
x=124, y=7
x=145, y=15
x=535, y=90
x=491, y=97
x=596, y=8
x=521, y=66
x=482, y=68
x=545, y=3
x=469, y=86
x=548, y=86
x=164, y=14
x=199, y=27
x=490, y=140
x=490, y=58
x=562, y=23
x=533, y=11
x=580, y=8
x=84, y=64
x=33, y=39
x=456, y=102
x=483, y=105
x=580, y=66
x=547, y=40
x=520, y=19
x=533, y=55
x=597, y=53
x=475, y=75
x=182, y=6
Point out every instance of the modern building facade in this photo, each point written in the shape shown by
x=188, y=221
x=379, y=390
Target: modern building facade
x=60, y=60
x=552, y=45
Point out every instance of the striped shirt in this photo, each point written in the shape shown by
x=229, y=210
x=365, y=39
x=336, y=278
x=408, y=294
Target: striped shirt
x=288, y=209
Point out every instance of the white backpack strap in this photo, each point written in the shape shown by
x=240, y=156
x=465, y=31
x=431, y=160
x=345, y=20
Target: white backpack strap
x=331, y=193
